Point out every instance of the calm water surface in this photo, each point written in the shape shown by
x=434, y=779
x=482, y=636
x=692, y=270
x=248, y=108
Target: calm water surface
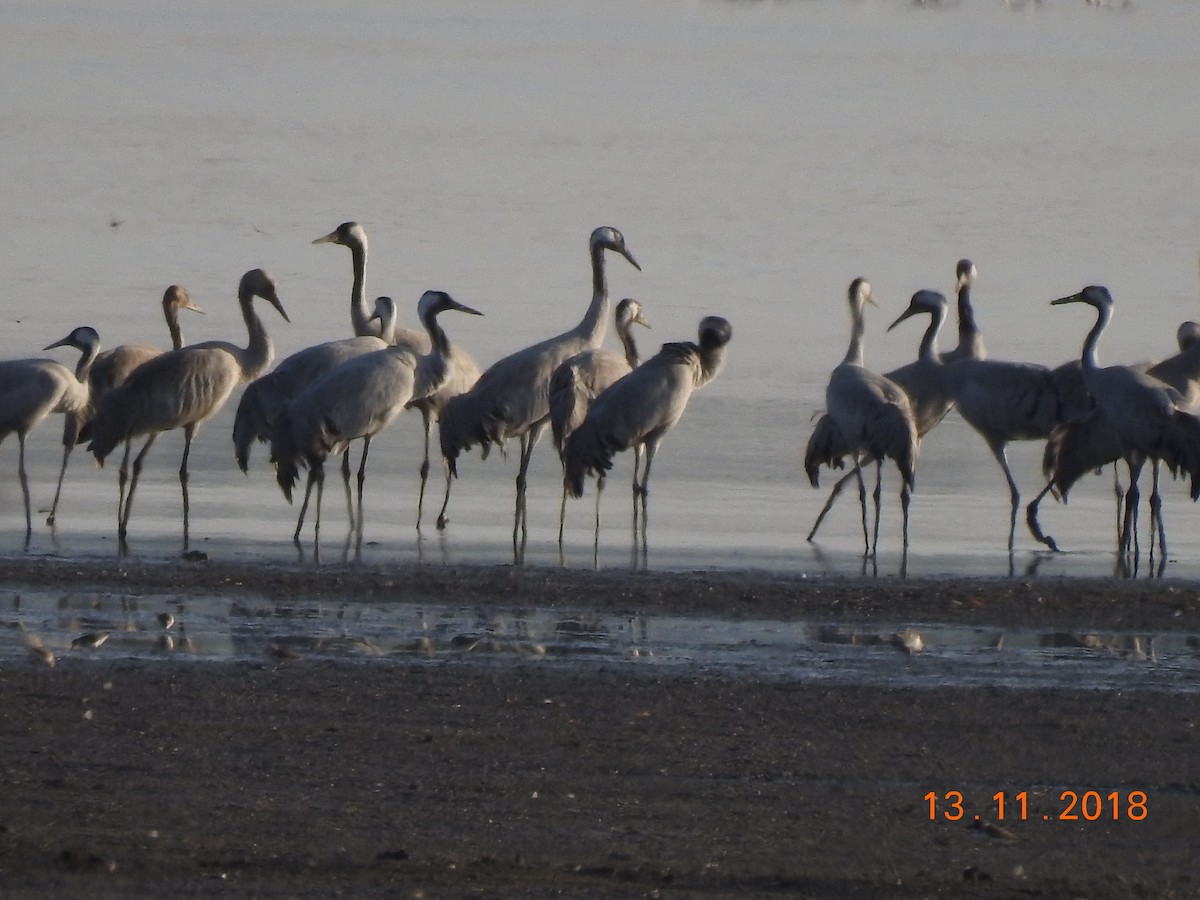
x=757, y=156
x=921, y=655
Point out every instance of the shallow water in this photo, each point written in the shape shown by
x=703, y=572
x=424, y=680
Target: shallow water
x=756, y=156
x=899, y=654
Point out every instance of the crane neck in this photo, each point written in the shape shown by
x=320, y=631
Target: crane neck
x=84, y=367
x=171, y=313
x=625, y=333
x=258, y=355
x=712, y=361
x=928, y=350
x=1089, y=360
x=434, y=368
x=854, y=354
x=595, y=321
x=360, y=315
x=968, y=331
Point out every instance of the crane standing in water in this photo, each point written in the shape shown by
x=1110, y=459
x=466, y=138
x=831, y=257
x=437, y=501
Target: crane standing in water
x=31, y=389
x=639, y=409
x=581, y=379
x=182, y=389
x=1138, y=415
x=512, y=398
x=922, y=383
x=108, y=371
x=868, y=416
x=358, y=399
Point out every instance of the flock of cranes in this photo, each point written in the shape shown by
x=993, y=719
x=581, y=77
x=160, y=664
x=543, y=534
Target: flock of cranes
x=598, y=402
x=1088, y=415
x=319, y=400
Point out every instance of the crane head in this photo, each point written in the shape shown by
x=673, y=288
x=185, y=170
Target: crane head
x=966, y=273
x=434, y=302
x=629, y=313
x=84, y=338
x=1094, y=295
x=930, y=302
x=348, y=234
x=258, y=283
x=861, y=292
x=176, y=297
x=608, y=238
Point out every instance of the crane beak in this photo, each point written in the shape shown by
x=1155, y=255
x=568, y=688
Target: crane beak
x=462, y=307
x=274, y=301
x=907, y=314
x=629, y=256
x=65, y=342
x=1074, y=298
x=639, y=320
x=331, y=238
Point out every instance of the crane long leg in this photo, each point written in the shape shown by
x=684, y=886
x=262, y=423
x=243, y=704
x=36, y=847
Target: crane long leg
x=877, y=495
x=833, y=495
x=123, y=524
x=562, y=513
x=1156, y=514
x=308, y=486
x=441, y=519
x=188, y=432
x=67, y=448
x=427, y=419
x=528, y=441
x=362, y=476
x=1119, y=491
x=600, y=482
x=318, y=472
x=998, y=451
x=346, y=483
x=862, y=503
x=122, y=481
x=1133, y=495
x=24, y=485
x=1031, y=519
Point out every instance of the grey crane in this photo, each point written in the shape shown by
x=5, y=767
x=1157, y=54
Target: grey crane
x=182, y=389
x=358, y=399
x=261, y=401
x=640, y=408
x=1088, y=443
x=31, y=389
x=1007, y=401
x=512, y=398
x=109, y=370
x=1138, y=415
x=921, y=382
x=265, y=399
x=581, y=379
x=867, y=415
x=462, y=373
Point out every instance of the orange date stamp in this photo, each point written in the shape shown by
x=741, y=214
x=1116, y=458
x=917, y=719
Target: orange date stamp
x=1072, y=806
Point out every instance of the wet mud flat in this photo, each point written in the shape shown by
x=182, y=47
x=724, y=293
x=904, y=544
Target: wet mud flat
x=317, y=777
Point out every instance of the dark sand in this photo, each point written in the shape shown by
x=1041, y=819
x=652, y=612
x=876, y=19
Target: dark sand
x=302, y=778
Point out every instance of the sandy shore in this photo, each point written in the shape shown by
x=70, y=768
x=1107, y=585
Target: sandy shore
x=306, y=778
